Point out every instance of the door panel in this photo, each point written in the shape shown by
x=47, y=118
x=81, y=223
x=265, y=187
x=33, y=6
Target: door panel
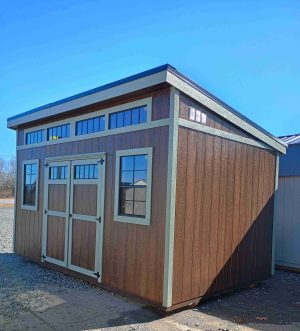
x=85, y=197
x=85, y=211
x=56, y=237
x=83, y=244
x=57, y=197
x=56, y=213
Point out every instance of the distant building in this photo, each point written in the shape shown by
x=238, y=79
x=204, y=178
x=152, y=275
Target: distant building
x=287, y=210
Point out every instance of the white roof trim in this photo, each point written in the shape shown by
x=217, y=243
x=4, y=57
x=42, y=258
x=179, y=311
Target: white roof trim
x=110, y=93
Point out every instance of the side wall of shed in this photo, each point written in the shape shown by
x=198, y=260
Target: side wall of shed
x=224, y=215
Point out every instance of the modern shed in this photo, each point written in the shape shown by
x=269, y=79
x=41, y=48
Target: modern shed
x=287, y=210
x=149, y=186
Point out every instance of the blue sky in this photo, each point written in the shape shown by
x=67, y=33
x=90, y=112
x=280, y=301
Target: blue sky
x=245, y=52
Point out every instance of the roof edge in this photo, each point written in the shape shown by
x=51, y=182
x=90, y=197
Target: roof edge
x=95, y=90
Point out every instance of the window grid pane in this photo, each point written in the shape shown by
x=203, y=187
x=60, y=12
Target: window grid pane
x=58, y=132
x=34, y=137
x=133, y=185
x=29, y=189
x=128, y=117
x=87, y=171
x=91, y=125
x=58, y=172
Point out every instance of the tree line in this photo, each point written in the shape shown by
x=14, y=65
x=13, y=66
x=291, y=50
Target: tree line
x=7, y=177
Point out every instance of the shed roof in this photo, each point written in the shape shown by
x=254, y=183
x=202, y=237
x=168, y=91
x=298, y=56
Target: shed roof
x=162, y=74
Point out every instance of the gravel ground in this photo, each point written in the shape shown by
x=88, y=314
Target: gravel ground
x=36, y=298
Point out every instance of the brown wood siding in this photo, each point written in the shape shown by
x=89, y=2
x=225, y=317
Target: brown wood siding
x=212, y=120
x=85, y=199
x=56, y=237
x=83, y=244
x=224, y=215
x=160, y=108
x=57, y=197
x=126, y=246
x=20, y=137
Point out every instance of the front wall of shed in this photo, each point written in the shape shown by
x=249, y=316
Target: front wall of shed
x=133, y=258
x=224, y=215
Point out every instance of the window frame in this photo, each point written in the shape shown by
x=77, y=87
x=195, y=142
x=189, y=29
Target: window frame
x=127, y=218
x=35, y=206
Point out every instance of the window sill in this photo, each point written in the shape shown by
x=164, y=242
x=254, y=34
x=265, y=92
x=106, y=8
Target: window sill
x=132, y=220
x=28, y=207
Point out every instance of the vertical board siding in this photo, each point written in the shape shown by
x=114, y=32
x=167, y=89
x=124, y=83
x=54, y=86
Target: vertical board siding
x=224, y=215
x=83, y=244
x=57, y=197
x=56, y=237
x=85, y=199
x=288, y=222
x=133, y=255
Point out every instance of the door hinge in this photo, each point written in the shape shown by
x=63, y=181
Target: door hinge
x=97, y=274
x=98, y=219
x=43, y=257
x=101, y=161
x=46, y=164
x=45, y=211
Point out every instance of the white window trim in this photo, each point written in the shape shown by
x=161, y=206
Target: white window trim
x=103, y=112
x=30, y=207
x=133, y=219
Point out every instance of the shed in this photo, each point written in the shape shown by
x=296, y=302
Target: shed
x=287, y=209
x=150, y=186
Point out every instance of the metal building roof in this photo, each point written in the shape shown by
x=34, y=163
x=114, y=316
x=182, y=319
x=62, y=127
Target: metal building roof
x=291, y=139
x=290, y=163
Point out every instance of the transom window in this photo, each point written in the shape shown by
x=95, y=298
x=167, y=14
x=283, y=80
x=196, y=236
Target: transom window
x=58, y=172
x=197, y=115
x=58, y=132
x=91, y=125
x=34, y=137
x=30, y=184
x=128, y=117
x=86, y=171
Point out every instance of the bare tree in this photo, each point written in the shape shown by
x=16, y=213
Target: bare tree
x=7, y=176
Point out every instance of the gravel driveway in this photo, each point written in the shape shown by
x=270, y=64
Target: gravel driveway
x=36, y=298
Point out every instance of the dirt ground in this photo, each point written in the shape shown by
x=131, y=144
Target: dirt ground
x=36, y=298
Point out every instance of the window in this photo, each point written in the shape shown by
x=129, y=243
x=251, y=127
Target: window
x=58, y=132
x=128, y=117
x=91, y=125
x=197, y=115
x=133, y=186
x=86, y=171
x=58, y=172
x=30, y=188
x=34, y=137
